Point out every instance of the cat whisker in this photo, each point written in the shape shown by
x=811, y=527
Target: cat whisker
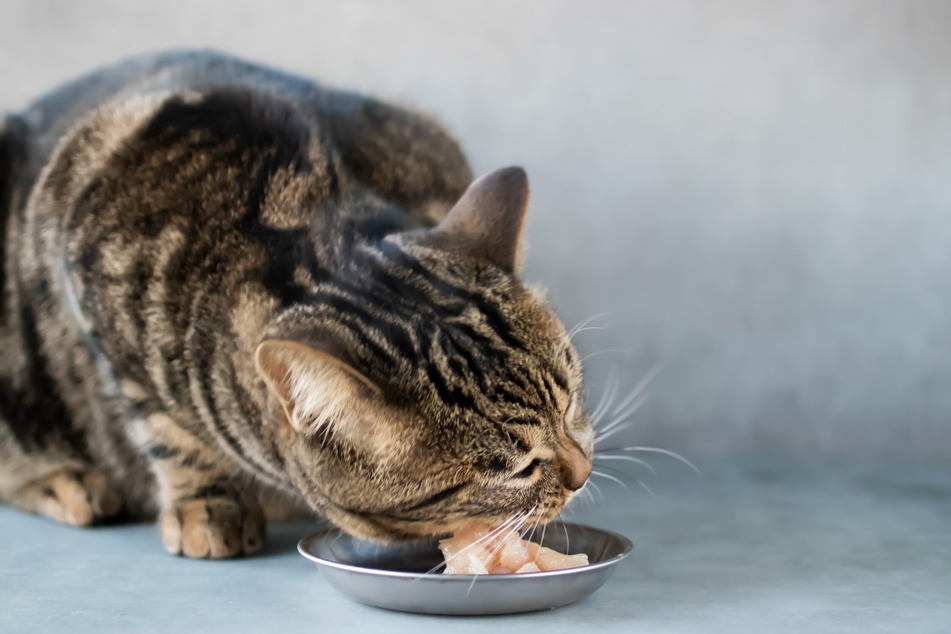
x=665, y=452
x=491, y=534
x=568, y=511
x=602, y=437
x=580, y=326
x=494, y=533
x=567, y=539
x=606, y=397
x=643, y=463
x=501, y=540
x=639, y=387
x=454, y=557
x=589, y=496
x=646, y=488
x=608, y=351
x=535, y=525
x=597, y=489
x=514, y=529
x=607, y=477
x=587, y=328
x=623, y=416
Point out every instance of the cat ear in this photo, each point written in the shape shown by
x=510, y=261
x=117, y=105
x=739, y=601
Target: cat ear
x=315, y=388
x=487, y=221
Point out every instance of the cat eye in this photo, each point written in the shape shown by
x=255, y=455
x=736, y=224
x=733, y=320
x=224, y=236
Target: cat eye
x=529, y=471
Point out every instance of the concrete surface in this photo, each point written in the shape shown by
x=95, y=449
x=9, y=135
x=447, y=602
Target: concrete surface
x=759, y=193
x=751, y=547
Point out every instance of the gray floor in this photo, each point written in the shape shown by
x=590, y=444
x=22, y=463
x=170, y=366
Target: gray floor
x=749, y=547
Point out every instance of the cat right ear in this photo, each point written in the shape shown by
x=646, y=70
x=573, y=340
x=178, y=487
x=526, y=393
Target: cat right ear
x=487, y=221
x=316, y=389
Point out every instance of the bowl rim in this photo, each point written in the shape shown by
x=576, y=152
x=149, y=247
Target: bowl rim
x=302, y=548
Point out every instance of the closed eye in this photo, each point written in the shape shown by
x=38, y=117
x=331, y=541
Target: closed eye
x=529, y=471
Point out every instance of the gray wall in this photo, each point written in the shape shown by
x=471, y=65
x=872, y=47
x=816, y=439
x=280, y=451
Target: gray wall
x=759, y=193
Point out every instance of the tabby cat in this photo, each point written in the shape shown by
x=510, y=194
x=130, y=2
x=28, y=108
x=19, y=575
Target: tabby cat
x=227, y=290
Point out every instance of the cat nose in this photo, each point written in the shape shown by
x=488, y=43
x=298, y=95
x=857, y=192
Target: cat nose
x=575, y=467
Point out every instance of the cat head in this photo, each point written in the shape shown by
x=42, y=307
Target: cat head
x=428, y=388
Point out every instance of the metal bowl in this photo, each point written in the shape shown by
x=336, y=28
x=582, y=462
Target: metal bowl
x=397, y=577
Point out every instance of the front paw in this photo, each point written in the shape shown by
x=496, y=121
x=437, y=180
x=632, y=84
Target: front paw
x=80, y=497
x=215, y=528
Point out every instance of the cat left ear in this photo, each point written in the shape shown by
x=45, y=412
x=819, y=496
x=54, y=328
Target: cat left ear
x=315, y=388
x=487, y=221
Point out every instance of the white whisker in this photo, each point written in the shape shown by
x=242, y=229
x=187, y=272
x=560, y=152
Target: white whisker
x=604, y=436
x=501, y=543
x=646, y=488
x=643, y=463
x=630, y=411
x=598, y=489
x=607, y=477
x=607, y=396
x=585, y=329
x=638, y=388
x=535, y=526
x=584, y=322
x=491, y=534
x=567, y=540
x=665, y=452
x=608, y=351
x=569, y=511
x=514, y=527
x=472, y=584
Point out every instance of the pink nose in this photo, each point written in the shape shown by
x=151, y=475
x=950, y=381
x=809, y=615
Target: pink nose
x=575, y=467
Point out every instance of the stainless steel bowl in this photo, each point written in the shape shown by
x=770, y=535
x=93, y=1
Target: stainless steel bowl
x=396, y=576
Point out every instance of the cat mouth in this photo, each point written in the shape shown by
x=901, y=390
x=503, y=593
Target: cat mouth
x=387, y=529
x=380, y=527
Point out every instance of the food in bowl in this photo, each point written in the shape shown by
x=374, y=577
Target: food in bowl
x=483, y=551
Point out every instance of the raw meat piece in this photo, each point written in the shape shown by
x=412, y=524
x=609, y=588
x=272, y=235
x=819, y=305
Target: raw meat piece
x=476, y=552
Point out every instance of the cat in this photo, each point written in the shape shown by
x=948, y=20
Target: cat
x=227, y=290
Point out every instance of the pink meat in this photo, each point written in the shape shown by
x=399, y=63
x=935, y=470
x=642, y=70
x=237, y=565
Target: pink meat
x=475, y=552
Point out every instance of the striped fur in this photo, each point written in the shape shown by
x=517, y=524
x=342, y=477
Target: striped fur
x=164, y=217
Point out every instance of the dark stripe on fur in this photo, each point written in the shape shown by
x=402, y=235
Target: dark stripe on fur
x=494, y=319
x=163, y=452
x=12, y=155
x=451, y=396
x=431, y=500
x=36, y=413
x=212, y=491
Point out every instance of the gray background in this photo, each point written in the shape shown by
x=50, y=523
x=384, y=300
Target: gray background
x=758, y=193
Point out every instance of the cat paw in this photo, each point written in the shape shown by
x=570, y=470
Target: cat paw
x=74, y=497
x=213, y=528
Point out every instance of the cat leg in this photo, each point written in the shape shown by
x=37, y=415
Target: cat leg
x=43, y=474
x=75, y=495
x=205, y=513
x=33, y=477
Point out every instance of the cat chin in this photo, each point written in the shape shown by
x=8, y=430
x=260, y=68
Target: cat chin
x=362, y=525
x=386, y=529
x=382, y=529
